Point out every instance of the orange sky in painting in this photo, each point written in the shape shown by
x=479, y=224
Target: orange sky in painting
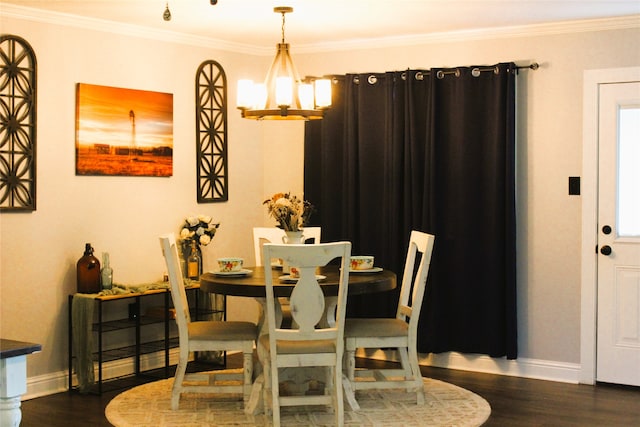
x=104, y=117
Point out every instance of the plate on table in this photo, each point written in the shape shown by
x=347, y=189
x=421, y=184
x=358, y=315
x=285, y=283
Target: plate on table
x=288, y=278
x=276, y=264
x=242, y=272
x=366, y=271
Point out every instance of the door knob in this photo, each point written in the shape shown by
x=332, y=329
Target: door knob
x=605, y=250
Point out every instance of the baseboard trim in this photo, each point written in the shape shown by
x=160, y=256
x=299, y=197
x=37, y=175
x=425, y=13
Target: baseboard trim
x=57, y=382
x=523, y=367
x=549, y=370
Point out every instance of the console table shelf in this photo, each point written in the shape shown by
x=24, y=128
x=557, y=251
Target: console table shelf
x=137, y=321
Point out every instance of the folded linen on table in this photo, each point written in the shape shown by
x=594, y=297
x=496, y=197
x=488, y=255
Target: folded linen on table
x=82, y=319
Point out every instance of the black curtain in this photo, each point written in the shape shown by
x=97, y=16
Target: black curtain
x=430, y=150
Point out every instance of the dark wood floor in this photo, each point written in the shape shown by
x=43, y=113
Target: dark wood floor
x=514, y=402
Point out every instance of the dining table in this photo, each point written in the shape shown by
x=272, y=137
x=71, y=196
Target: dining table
x=250, y=282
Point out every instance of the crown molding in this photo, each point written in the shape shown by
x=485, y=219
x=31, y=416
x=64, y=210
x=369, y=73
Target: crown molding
x=534, y=30
x=563, y=27
x=118, y=28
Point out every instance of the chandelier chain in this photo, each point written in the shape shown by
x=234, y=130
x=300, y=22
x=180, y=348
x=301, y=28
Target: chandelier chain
x=283, y=27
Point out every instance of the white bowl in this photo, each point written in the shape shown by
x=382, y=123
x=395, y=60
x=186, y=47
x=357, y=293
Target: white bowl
x=230, y=264
x=361, y=262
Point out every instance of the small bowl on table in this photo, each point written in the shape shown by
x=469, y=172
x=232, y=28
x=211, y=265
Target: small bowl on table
x=294, y=273
x=361, y=262
x=230, y=264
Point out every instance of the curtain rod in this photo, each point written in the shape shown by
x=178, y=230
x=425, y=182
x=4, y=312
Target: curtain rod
x=441, y=73
x=533, y=66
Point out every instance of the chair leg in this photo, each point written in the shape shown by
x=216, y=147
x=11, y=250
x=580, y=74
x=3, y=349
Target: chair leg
x=271, y=394
x=266, y=391
x=417, y=375
x=275, y=394
x=338, y=396
x=329, y=383
x=252, y=407
x=406, y=365
x=181, y=369
x=349, y=394
x=350, y=356
x=248, y=375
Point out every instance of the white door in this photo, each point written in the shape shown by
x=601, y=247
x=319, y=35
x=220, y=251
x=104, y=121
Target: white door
x=618, y=299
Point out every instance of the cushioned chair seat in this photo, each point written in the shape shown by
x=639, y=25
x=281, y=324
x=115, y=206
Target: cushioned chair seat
x=375, y=328
x=222, y=331
x=300, y=347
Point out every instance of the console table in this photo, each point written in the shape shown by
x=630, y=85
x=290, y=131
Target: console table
x=136, y=320
x=13, y=378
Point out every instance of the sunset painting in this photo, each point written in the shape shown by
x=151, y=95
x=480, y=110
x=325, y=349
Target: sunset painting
x=123, y=131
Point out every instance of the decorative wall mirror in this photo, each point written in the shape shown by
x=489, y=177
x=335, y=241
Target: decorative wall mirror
x=211, y=133
x=17, y=125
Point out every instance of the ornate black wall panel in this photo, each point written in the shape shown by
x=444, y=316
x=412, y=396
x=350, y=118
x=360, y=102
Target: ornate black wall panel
x=211, y=133
x=17, y=125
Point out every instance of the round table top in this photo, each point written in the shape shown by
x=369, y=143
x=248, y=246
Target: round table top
x=253, y=285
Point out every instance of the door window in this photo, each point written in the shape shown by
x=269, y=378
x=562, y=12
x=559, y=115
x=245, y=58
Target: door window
x=628, y=209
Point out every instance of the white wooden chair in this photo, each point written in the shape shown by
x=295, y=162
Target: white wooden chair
x=262, y=235
x=399, y=332
x=309, y=345
x=206, y=336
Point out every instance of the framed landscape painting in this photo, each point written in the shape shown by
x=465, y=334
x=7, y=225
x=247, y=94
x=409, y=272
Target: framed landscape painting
x=124, y=132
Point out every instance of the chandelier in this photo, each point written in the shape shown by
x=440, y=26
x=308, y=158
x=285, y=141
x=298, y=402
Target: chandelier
x=283, y=95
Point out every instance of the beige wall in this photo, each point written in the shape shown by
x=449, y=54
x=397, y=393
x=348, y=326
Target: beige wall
x=549, y=151
x=121, y=215
x=124, y=215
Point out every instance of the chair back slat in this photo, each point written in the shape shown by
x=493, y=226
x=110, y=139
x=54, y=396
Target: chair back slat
x=413, y=285
x=178, y=293
x=307, y=299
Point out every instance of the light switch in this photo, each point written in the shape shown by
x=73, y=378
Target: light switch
x=574, y=185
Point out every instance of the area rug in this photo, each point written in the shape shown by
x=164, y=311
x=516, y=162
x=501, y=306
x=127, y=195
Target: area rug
x=148, y=405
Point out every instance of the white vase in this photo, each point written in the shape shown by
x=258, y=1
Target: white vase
x=291, y=238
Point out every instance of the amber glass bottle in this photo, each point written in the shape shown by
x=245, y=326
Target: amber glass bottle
x=88, y=270
x=193, y=262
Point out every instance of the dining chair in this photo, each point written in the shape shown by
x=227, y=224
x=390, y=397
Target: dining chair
x=309, y=344
x=206, y=336
x=262, y=235
x=399, y=332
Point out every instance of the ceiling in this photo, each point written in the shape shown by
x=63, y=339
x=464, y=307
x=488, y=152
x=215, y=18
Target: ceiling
x=253, y=24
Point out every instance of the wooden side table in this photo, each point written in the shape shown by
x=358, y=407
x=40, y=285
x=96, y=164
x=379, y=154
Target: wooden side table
x=13, y=378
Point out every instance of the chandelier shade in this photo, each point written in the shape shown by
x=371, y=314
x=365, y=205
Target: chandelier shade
x=283, y=95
